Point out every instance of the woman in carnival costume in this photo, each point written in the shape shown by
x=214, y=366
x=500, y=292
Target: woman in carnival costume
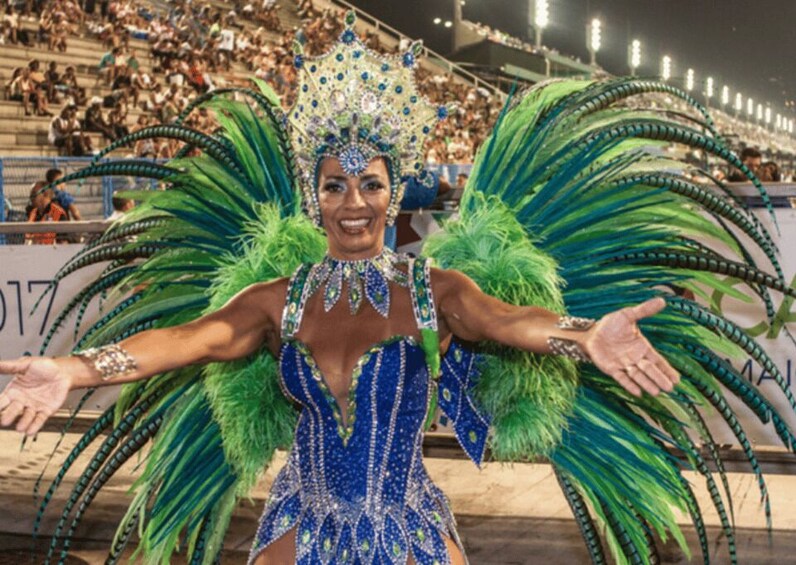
x=243, y=311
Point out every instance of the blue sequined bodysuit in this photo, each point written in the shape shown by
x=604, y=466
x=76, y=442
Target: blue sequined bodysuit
x=359, y=493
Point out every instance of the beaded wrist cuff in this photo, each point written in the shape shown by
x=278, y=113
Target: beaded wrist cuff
x=110, y=360
x=567, y=347
x=574, y=323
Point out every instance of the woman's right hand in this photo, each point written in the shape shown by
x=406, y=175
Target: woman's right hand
x=38, y=389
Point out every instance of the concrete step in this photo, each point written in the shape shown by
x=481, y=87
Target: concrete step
x=12, y=113
x=39, y=137
x=83, y=58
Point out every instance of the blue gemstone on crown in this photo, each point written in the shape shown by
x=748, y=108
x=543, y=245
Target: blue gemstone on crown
x=348, y=37
x=385, y=67
x=399, y=89
x=352, y=160
x=409, y=59
x=298, y=61
x=442, y=112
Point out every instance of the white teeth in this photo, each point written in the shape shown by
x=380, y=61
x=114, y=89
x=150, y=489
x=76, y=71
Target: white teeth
x=355, y=223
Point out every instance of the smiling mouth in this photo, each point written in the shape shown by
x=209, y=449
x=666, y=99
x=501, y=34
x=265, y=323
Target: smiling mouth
x=354, y=227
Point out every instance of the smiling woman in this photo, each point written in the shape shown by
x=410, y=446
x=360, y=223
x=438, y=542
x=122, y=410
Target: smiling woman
x=354, y=209
x=330, y=345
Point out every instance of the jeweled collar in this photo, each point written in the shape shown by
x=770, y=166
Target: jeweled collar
x=368, y=278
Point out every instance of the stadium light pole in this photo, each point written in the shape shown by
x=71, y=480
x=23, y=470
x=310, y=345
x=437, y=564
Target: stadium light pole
x=689, y=80
x=634, y=56
x=738, y=103
x=594, y=40
x=778, y=124
x=725, y=95
x=767, y=115
x=541, y=17
x=708, y=90
x=759, y=114
x=666, y=68
x=750, y=108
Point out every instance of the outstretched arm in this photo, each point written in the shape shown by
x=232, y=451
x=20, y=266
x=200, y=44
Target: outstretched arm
x=41, y=384
x=614, y=344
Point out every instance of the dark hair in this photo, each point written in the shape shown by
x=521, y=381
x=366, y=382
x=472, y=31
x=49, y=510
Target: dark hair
x=119, y=203
x=51, y=174
x=776, y=175
x=750, y=153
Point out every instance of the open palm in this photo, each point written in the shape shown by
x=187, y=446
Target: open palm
x=36, y=392
x=618, y=348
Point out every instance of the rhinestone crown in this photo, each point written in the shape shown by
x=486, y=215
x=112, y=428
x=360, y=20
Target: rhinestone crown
x=355, y=104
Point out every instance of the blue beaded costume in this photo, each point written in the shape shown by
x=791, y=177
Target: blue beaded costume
x=359, y=493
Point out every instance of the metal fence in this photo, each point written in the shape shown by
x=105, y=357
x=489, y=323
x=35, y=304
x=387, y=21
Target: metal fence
x=18, y=174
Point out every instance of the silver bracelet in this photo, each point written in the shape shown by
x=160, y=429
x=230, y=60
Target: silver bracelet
x=111, y=361
x=568, y=347
x=574, y=323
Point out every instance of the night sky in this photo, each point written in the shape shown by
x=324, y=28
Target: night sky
x=748, y=45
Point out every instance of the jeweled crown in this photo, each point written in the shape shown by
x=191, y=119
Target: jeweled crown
x=355, y=104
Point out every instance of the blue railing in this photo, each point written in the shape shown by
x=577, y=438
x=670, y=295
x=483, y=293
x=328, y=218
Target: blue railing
x=18, y=174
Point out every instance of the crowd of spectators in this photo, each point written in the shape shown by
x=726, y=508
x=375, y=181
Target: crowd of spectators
x=193, y=49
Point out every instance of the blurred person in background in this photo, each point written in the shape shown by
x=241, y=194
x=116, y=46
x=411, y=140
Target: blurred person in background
x=42, y=208
x=769, y=172
x=94, y=120
x=61, y=197
x=750, y=157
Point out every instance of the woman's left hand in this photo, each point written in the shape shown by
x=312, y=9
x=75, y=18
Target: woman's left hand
x=618, y=348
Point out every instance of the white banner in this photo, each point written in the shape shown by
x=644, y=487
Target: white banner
x=771, y=336
x=25, y=273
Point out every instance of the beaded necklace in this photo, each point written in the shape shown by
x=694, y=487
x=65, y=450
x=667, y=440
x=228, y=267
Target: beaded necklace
x=365, y=278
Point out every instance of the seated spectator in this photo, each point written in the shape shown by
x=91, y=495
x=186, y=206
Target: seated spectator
x=95, y=121
x=52, y=78
x=750, y=157
x=120, y=207
x=144, y=147
x=40, y=82
x=59, y=30
x=43, y=209
x=75, y=93
x=61, y=197
x=23, y=89
x=122, y=88
x=11, y=24
x=117, y=118
x=107, y=65
x=157, y=98
x=769, y=172
x=67, y=134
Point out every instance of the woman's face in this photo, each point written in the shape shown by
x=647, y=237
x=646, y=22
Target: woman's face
x=354, y=208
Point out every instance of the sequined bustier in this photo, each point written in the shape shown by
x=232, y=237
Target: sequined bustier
x=357, y=491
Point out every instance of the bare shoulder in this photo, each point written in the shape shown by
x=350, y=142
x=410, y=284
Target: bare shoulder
x=266, y=299
x=445, y=282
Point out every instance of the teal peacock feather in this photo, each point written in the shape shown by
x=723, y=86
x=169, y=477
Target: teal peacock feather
x=584, y=520
x=571, y=167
